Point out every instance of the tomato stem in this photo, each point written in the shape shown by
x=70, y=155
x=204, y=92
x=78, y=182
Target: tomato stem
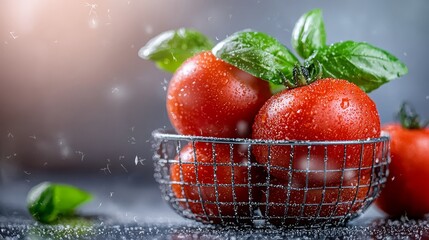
x=285, y=81
x=303, y=75
x=300, y=76
x=408, y=117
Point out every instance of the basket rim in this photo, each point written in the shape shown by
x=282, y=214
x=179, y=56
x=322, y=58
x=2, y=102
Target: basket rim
x=164, y=134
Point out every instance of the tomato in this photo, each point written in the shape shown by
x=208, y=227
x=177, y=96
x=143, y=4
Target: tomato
x=406, y=191
x=319, y=205
x=328, y=109
x=209, y=97
x=202, y=200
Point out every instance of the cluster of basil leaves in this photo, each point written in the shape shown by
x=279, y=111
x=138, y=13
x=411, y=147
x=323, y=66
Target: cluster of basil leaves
x=265, y=57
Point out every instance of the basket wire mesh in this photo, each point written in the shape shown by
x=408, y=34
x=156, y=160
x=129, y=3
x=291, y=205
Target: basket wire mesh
x=219, y=180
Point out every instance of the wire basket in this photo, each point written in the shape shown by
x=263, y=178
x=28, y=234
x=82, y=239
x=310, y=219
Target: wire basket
x=256, y=182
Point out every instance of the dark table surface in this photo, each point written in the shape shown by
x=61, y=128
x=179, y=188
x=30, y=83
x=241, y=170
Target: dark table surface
x=130, y=207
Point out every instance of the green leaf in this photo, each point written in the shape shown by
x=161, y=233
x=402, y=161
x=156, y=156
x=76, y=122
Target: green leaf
x=367, y=66
x=258, y=54
x=171, y=48
x=47, y=201
x=309, y=33
x=275, y=88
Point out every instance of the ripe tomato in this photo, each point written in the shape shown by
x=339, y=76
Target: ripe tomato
x=406, y=191
x=202, y=200
x=328, y=109
x=209, y=97
x=319, y=204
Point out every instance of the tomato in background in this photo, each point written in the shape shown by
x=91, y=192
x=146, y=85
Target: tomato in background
x=185, y=180
x=326, y=110
x=407, y=189
x=209, y=97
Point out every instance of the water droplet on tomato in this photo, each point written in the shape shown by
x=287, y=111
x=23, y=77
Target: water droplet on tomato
x=264, y=118
x=345, y=103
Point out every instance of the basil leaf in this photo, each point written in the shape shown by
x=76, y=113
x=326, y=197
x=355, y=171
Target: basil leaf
x=47, y=201
x=258, y=54
x=367, y=66
x=275, y=88
x=309, y=33
x=171, y=48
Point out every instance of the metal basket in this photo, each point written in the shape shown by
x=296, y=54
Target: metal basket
x=209, y=185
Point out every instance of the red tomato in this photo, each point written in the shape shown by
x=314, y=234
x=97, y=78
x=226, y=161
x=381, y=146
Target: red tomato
x=328, y=109
x=209, y=210
x=407, y=188
x=209, y=97
x=319, y=205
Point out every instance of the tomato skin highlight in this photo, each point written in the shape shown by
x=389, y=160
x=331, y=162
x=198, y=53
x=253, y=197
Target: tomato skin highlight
x=407, y=189
x=209, y=97
x=224, y=175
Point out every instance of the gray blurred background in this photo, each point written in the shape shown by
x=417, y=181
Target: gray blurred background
x=75, y=97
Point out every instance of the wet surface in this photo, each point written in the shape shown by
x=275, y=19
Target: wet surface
x=123, y=209
x=17, y=228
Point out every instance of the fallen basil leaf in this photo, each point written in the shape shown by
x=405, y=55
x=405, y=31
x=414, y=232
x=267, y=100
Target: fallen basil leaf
x=171, y=48
x=47, y=201
x=367, y=66
x=258, y=54
x=309, y=33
